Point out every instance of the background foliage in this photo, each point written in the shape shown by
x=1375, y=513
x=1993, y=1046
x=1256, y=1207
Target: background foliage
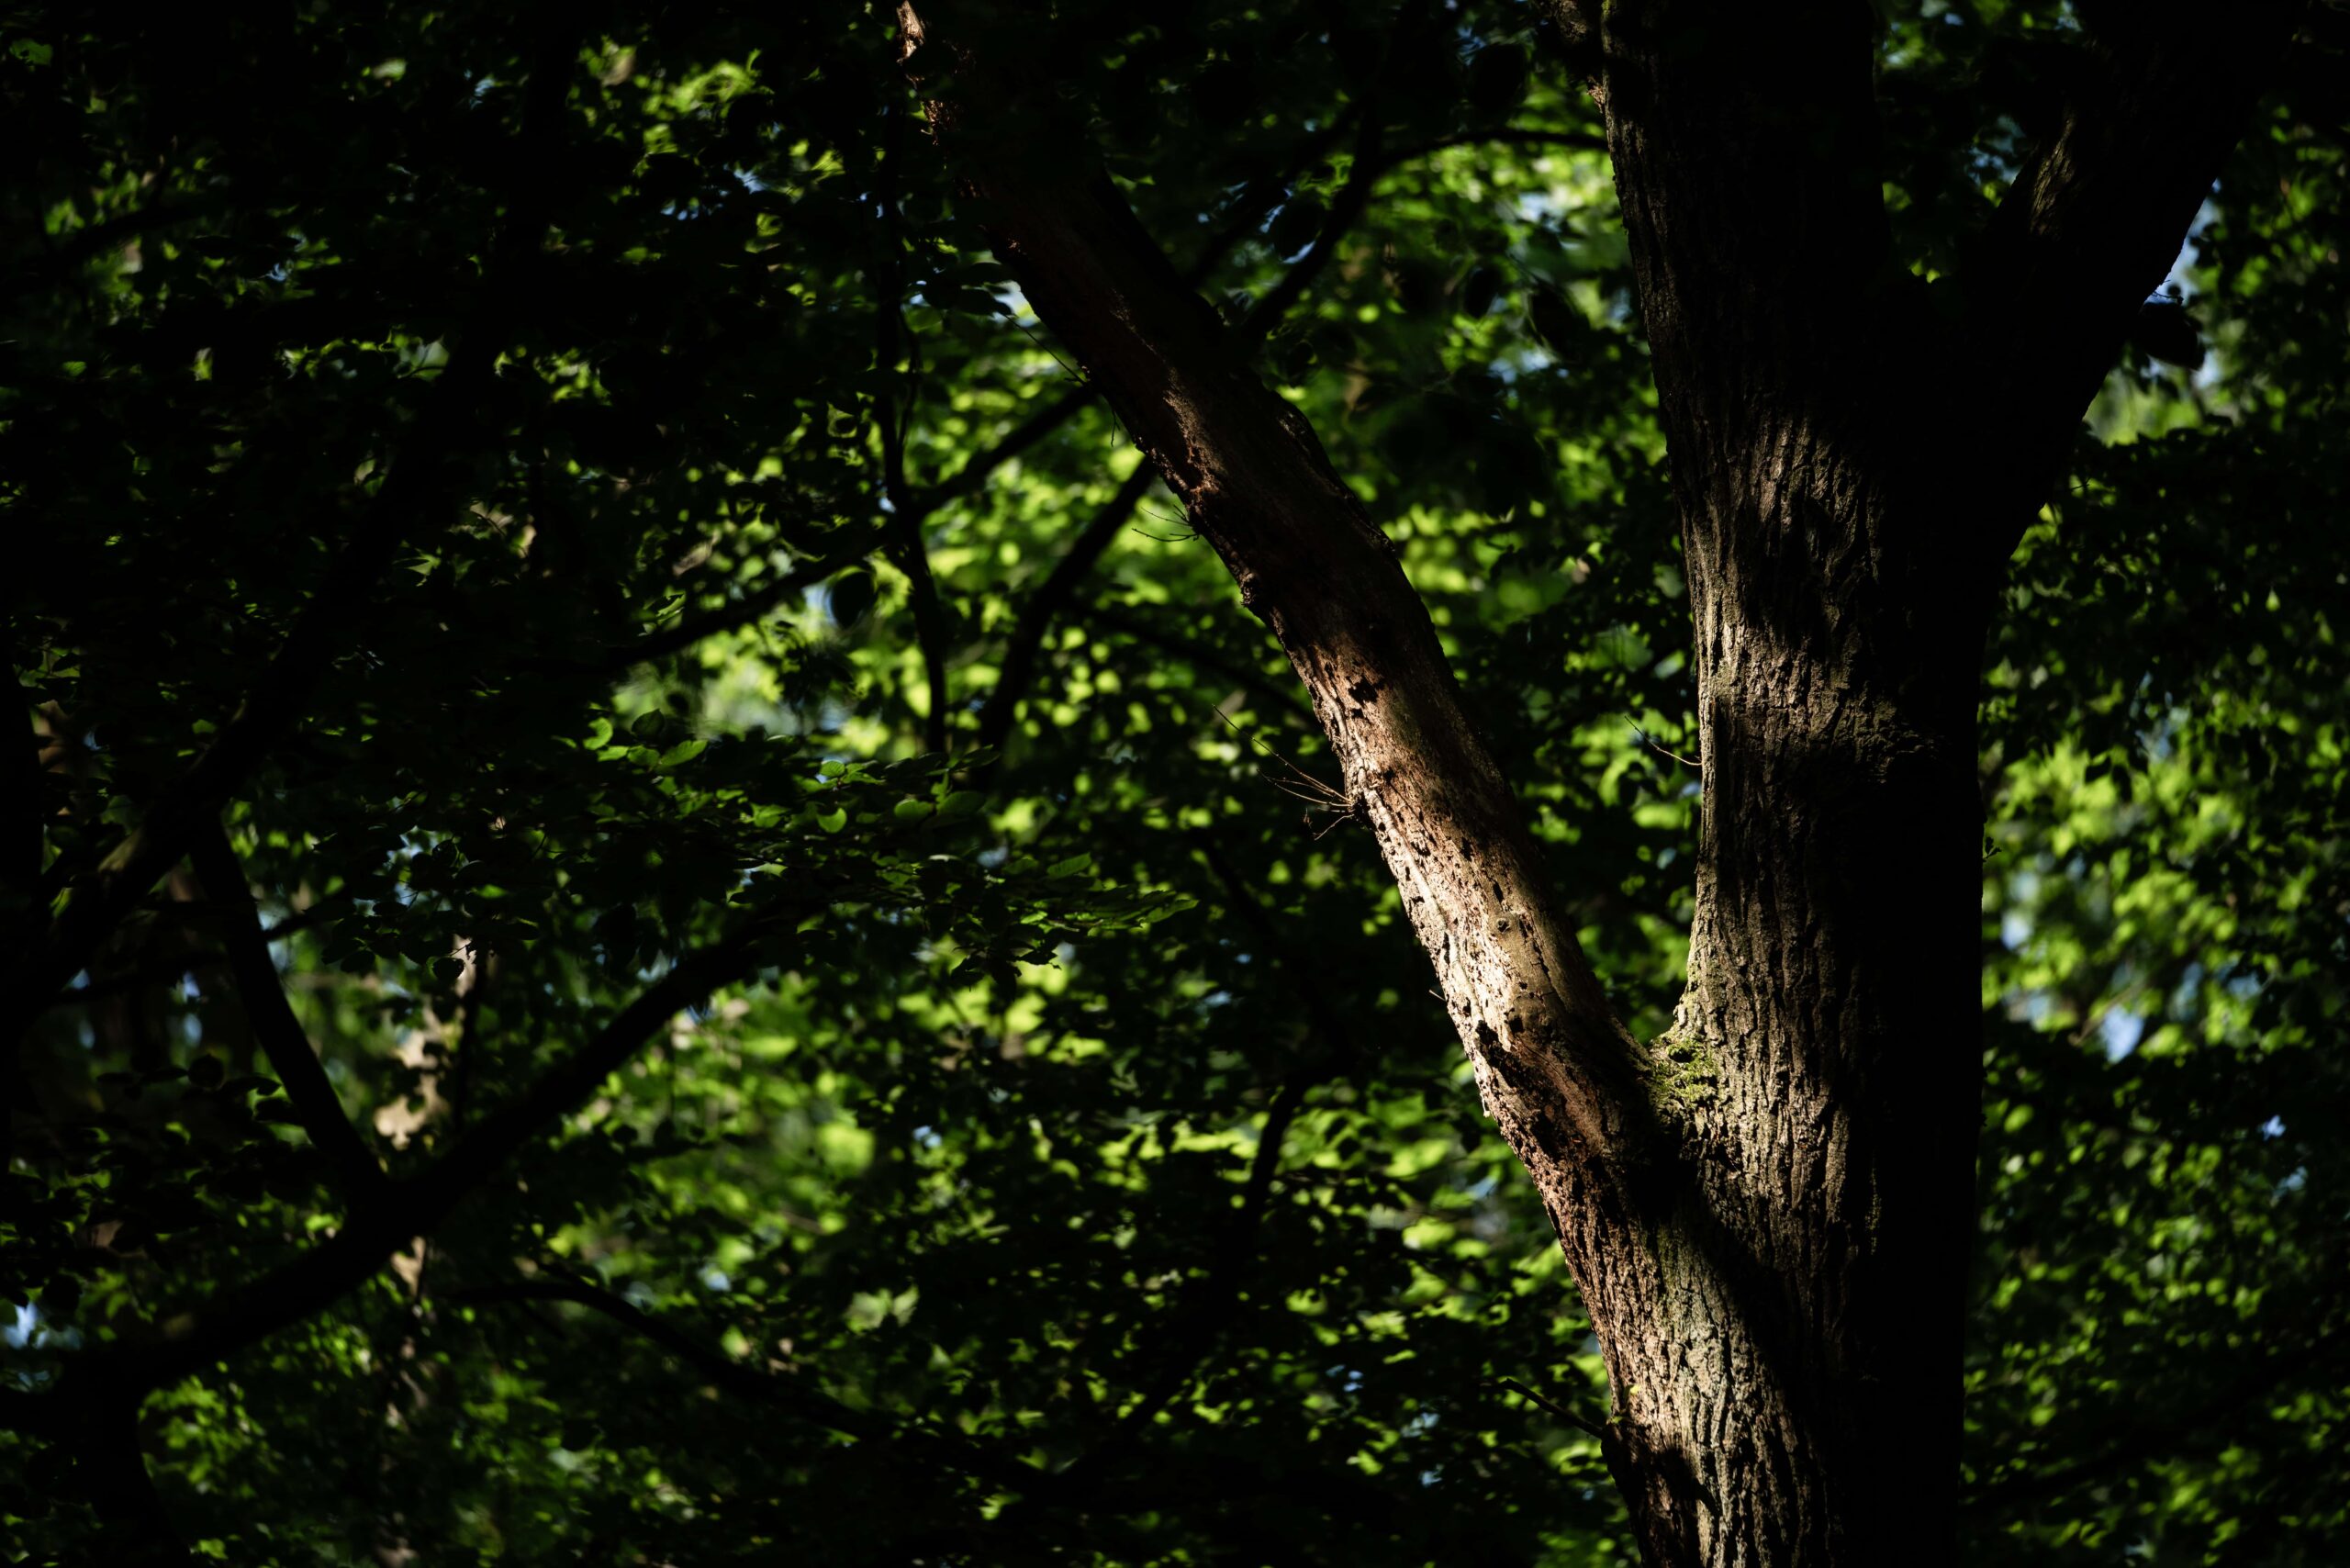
x=680, y=520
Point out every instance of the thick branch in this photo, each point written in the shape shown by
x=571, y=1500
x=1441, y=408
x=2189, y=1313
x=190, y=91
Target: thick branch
x=1554, y=1062
x=112, y=1471
x=2093, y=223
x=281, y=1034
x=1745, y=146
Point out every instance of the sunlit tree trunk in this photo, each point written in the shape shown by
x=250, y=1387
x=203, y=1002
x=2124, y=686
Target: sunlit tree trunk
x=1769, y=1210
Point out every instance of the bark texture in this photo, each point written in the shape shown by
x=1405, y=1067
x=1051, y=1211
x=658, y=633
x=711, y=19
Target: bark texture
x=1769, y=1211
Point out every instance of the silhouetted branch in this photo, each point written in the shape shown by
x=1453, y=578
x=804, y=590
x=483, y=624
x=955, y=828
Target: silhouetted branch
x=1193, y=1331
x=751, y=607
x=1346, y=208
x=2055, y=284
x=76, y=246
x=1506, y=136
x=1053, y=596
x=1273, y=699
x=1372, y=164
x=112, y=1473
x=729, y=1375
x=1248, y=216
x=974, y=474
x=281, y=1034
x=415, y=1206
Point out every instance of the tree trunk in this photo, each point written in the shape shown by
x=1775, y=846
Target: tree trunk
x=1769, y=1210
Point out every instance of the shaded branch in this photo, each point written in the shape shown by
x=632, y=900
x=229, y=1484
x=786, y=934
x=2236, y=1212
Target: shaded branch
x=281, y=1034
x=1204, y=656
x=1338, y=1040
x=23, y=832
x=1372, y=165
x=1193, y=1329
x=75, y=246
x=1256, y=204
x=729, y=1375
x=111, y=1469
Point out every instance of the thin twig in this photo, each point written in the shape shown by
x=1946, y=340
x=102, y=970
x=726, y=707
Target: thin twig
x=1664, y=751
x=1579, y=1423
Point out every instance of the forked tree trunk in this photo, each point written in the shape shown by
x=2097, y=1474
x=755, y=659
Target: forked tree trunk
x=1768, y=1210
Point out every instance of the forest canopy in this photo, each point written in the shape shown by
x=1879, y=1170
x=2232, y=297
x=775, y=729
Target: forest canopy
x=663, y=910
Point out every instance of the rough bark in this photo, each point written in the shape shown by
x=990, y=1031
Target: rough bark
x=1842, y=532
x=1769, y=1211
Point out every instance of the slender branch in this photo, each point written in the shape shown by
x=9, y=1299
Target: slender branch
x=1051, y=598
x=1193, y=1329
x=75, y=246
x=280, y=1033
x=1506, y=136
x=1049, y=417
x=742, y=611
x=1338, y=1040
x=907, y=513
x=23, y=832
x=1346, y=208
x=417, y=1205
x=1372, y=165
x=1248, y=216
